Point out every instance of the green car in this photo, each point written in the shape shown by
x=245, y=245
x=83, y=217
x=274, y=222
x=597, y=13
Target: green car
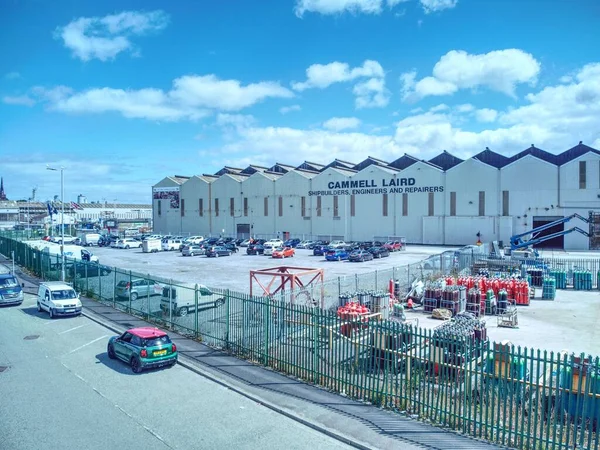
x=143, y=348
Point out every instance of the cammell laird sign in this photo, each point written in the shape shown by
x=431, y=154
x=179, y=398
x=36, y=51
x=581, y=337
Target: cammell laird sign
x=387, y=186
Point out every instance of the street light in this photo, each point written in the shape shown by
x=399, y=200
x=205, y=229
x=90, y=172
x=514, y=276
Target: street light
x=62, y=220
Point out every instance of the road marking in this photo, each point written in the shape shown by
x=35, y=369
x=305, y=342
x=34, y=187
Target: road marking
x=51, y=321
x=74, y=328
x=89, y=343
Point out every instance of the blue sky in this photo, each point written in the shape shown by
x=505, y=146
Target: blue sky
x=123, y=93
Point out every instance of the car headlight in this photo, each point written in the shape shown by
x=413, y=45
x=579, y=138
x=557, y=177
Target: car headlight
x=78, y=304
x=58, y=306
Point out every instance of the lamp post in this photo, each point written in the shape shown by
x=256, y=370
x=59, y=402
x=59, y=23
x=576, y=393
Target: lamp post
x=62, y=220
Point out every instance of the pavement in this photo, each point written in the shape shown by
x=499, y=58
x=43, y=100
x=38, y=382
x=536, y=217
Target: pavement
x=350, y=422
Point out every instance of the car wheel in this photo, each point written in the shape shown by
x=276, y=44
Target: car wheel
x=339, y=258
x=39, y=307
x=51, y=313
x=191, y=254
x=136, y=366
x=134, y=296
x=219, y=302
x=127, y=247
x=78, y=275
x=216, y=255
x=104, y=272
x=182, y=312
x=111, y=351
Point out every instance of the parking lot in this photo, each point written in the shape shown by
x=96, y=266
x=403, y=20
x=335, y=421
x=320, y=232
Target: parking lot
x=233, y=272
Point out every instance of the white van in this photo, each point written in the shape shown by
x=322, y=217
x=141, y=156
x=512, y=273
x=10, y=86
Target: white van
x=151, y=246
x=172, y=244
x=58, y=299
x=71, y=251
x=182, y=299
x=90, y=239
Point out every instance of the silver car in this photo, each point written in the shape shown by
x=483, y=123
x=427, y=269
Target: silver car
x=138, y=287
x=193, y=250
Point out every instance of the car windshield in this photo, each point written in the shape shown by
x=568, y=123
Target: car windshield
x=8, y=282
x=122, y=283
x=156, y=341
x=63, y=294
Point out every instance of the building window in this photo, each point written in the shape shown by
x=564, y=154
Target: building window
x=266, y=206
x=482, y=203
x=505, y=203
x=182, y=207
x=582, y=174
x=385, y=205
x=303, y=206
x=216, y=207
x=452, y=203
x=319, y=206
x=231, y=206
x=159, y=208
x=280, y=205
x=405, y=204
x=352, y=205
x=431, y=205
x=336, y=212
x=245, y=206
x=200, y=207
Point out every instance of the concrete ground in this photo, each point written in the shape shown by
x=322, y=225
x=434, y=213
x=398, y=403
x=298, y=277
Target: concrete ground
x=570, y=322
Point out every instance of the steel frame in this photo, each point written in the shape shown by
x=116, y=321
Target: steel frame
x=279, y=279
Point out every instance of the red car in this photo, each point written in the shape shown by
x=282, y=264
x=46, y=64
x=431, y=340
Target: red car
x=393, y=246
x=284, y=252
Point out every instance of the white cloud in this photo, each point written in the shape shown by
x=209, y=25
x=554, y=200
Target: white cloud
x=430, y=6
x=464, y=108
x=289, y=109
x=104, y=38
x=332, y=7
x=235, y=120
x=191, y=98
x=440, y=107
x=22, y=100
x=324, y=75
x=12, y=76
x=500, y=70
x=555, y=118
x=371, y=94
x=228, y=95
x=341, y=123
x=486, y=115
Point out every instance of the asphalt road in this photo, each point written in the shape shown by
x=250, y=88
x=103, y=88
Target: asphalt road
x=59, y=390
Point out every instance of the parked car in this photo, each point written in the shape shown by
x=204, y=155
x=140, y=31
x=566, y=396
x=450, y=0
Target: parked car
x=273, y=243
x=11, y=292
x=192, y=250
x=128, y=243
x=171, y=244
x=244, y=243
x=58, y=299
x=336, y=255
x=284, y=252
x=269, y=250
x=255, y=249
x=137, y=287
x=231, y=246
x=80, y=269
x=195, y=240
x=320, y=250
x=180, y=300
x=305, y=244
x=360, y=256
x=393, y=246
x=379, y=252
x=337, y=244
x=291, y=243
x=217, y=251
x=143, y=348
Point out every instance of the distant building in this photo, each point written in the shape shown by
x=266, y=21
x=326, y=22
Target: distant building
x=81, y=199
x=2, y=194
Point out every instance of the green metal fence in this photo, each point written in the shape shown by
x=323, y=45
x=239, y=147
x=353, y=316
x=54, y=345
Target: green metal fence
x=514, y=396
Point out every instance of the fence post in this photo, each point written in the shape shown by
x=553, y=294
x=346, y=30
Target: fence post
x=196, y=311
x=115, y=288
x=266, y=305
x=148, y=280
x=170, y=303
x=227, y=321
x=130, y=288
x=356, y=282
x=315, y=336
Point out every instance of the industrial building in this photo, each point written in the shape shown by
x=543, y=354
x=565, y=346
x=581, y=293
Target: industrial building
x=442, y=201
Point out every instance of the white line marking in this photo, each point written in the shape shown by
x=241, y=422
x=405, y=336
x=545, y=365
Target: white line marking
x=71, y=329
x=89, y=343
x=51, y=321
